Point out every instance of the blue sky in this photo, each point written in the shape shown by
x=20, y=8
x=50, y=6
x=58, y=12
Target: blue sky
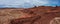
x=28, y=3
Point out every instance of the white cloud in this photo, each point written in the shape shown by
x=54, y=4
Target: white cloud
x=24, y=3
x=41, y=2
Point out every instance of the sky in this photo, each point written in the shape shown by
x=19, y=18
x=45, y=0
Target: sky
x=28, y=3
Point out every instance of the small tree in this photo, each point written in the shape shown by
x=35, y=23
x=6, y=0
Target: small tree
x=34, y=6
x=56, y=5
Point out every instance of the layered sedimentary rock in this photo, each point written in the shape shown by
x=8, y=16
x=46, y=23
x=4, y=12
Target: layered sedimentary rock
x=35, y=15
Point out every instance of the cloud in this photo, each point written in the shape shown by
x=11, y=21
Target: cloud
x=53, y=2
x=40, y=2
x=26, y=3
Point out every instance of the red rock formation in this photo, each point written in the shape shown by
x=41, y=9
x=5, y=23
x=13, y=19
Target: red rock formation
x=35, y=15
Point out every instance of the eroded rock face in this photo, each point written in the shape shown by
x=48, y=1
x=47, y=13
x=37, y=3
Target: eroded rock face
x=56, y=20
x=38, y=15
x=29, y=20
x=8, y=14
